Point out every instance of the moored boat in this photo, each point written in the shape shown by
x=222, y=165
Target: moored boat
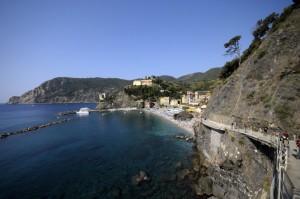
x=83, y=111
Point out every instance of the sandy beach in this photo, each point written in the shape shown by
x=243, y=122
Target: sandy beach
x=186, y=125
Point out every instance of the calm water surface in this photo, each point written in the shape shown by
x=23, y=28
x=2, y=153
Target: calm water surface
x=93, y=156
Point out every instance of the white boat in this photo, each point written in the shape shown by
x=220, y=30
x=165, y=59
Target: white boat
x=83, y=111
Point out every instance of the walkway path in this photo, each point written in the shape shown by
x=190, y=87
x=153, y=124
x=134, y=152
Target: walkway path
x=293, y=166
x=266, y=138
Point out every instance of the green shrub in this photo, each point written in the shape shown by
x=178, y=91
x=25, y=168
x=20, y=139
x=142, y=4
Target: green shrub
x=265, y=98
x=232, y=139
x=287, y=12
x=283, y=112
x=229, y=68
x=261, y=54
x=241, y=141
x=266, y=185
x=251, y=95
x=226, y=130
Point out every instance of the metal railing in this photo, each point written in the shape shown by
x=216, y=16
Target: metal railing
x=283, y=186
x=286, y=186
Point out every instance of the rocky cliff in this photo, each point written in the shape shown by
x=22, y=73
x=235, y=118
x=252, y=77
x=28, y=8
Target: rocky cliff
x=121, y=100
x=265, y=90
x=63, y=90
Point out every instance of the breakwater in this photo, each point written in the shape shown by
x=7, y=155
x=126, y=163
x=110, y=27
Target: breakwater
x=65, y=113
x=33, y=128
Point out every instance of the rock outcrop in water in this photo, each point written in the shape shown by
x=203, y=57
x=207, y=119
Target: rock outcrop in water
x=140, y=178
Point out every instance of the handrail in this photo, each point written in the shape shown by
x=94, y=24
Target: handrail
x=287, y=186
x=284, y=187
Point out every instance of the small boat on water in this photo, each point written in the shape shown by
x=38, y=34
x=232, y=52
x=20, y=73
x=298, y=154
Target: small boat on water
x=83, y=111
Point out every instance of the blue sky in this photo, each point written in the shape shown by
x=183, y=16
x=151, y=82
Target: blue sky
x=128, y=39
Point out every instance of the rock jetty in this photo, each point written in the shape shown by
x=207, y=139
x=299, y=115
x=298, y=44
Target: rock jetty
x=65, y=113
x=33, y=128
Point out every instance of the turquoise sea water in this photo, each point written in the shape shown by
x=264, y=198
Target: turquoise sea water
x=92, y=156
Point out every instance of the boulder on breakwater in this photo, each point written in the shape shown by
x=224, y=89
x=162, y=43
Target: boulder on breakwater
x=189, y=139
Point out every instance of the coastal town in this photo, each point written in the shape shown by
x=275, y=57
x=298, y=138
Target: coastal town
x=189, y=107
x=191, y=101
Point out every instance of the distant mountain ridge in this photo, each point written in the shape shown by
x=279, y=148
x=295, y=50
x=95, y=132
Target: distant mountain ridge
x=211, y=74
x=167, y=78
x=66, y=89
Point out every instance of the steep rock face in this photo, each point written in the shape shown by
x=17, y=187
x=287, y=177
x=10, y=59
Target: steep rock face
x=265, y=90
x=63, y=90
x=232, y=165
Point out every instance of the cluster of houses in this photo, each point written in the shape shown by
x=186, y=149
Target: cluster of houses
x=192, y=101
x=195, y=101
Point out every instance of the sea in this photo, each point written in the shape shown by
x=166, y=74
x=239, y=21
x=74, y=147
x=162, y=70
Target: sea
x=93, y=156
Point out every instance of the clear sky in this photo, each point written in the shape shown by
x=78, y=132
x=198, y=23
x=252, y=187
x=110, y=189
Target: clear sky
x=128, y=39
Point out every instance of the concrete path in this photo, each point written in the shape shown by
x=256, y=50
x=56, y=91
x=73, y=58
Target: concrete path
x=266, y=138
x=293, y=166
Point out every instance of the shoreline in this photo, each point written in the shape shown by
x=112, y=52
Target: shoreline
x=185, y=125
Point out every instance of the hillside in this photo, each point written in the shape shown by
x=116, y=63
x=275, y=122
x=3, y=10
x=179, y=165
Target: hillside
x=64, y=89
x=211, y=74
x=265, y=90
x=167, y=78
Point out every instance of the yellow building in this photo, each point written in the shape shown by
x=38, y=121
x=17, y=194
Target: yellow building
x=175, y=102
x=165, y=101
x=143, y=82
x=184, y=99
